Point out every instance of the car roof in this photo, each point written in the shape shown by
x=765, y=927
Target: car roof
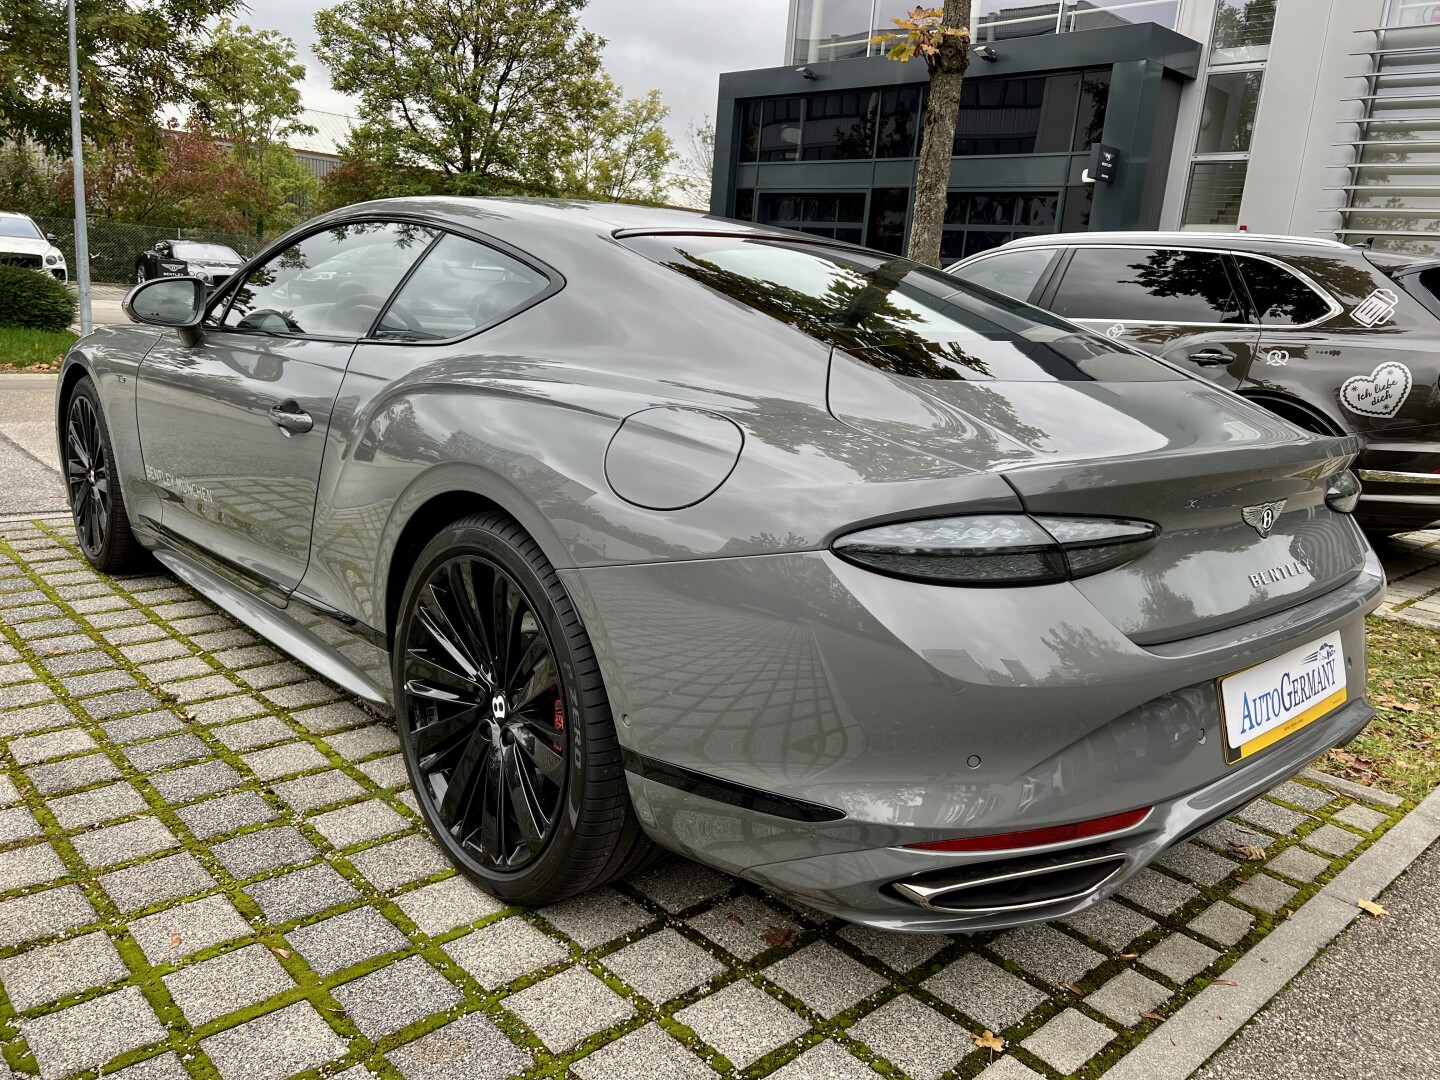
x=16, y=213
x=1227, y=241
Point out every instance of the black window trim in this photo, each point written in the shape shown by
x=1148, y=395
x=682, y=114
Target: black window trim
x=223, y=297
x=1241, y=293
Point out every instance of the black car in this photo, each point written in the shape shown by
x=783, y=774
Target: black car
x=211, y=263
x=1335, y=339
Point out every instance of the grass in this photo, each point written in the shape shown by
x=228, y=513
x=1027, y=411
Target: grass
x=33, y=350
x=1400, y=751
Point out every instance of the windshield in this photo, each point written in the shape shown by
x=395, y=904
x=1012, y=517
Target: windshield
x=21, y=227
x=899, y=316
x=189, y=249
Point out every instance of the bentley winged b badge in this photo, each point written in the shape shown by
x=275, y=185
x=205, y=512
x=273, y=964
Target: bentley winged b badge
x=1263, y=516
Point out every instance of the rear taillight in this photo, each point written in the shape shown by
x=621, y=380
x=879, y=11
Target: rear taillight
x=1053, y=834
x=1344, y=493
x=998, y=549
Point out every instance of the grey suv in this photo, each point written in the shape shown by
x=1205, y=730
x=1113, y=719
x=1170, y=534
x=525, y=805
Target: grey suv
x=1329, y=337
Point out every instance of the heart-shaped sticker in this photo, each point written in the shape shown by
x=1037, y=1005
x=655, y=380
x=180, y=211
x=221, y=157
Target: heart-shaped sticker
x=1381, y=393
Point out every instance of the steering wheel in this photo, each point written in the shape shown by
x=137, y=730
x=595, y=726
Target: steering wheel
x=404, y=318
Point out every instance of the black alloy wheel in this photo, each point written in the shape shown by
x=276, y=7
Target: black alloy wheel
x=503, y=720
x=101, y=524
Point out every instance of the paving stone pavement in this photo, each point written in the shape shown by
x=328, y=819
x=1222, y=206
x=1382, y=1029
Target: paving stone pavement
x=210, y=867
x=1412, y=565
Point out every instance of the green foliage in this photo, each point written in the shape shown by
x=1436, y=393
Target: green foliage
x=134, y=58
x=24, y=183
x=33, y=300
x=482, y=92
x=624, y=151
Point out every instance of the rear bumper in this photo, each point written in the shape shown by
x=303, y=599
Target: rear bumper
x=919, y=714
x=1399, y=500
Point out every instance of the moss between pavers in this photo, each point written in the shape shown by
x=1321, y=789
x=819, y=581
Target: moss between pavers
x=311, y=987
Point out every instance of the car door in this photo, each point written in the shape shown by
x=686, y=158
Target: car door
x=1294, y=347
x=232, y=426
x=1180, y=303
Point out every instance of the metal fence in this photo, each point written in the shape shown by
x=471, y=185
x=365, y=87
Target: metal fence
x=115, y=247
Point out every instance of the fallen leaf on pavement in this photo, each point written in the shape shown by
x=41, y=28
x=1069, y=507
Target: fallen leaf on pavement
x=1152, y=1016
x=778, y=935
x=282, y=952
x=1129, y=956
x=736, y=919
x=1249, y=852
x=1073, y=988
x=1226, y=982
x=175, y=940
x=989, y=1041
x=1372, y=907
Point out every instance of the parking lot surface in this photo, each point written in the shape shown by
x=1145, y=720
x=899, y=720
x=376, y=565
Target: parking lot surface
x=211, y=866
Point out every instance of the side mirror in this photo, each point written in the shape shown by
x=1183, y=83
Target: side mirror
x=177, y=303
x=52, y=238
x=159, y=245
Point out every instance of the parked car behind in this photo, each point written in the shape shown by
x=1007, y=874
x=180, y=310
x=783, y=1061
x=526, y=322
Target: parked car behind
x=886, y=592
x=211, y=263
x=23, y=244
x=1317, y=332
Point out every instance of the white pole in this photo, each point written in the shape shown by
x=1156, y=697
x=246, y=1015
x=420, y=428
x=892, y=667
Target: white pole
x=82, y=238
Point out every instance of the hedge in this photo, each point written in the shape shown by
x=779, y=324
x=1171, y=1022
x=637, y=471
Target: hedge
x=34, y=300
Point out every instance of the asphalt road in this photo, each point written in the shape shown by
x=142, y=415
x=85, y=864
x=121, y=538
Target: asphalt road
x=29, y=459
x=1369, y=1007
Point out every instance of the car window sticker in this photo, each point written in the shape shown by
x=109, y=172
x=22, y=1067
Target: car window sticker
x=1377, y=308
x=1116, y=332
x=1381, y=393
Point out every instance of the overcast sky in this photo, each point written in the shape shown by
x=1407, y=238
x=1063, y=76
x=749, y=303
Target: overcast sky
x=677, y=46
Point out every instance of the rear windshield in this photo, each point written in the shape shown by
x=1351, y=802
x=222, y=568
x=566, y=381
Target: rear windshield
x=899, y=316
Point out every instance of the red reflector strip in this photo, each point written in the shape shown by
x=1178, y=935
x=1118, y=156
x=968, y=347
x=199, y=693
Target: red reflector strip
x=1052, y=834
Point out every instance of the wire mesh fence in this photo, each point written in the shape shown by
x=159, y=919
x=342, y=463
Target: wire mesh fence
x=115, y=248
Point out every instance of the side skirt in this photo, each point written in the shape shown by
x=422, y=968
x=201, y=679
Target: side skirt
x=273, y=624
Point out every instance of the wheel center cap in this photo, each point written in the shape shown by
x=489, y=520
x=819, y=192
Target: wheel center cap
x=498, y=708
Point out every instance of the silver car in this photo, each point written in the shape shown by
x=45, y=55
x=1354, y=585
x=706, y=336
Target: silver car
x=888, y=593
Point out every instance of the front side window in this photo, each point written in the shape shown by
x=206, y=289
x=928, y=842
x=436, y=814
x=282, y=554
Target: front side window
x=904, y=318
x=1148, y=285
x=1280, y=297
x=460, y=287
x=1013, y=273
x=330, y=284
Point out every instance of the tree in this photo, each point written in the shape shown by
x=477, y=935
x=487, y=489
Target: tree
x=624, y=152
x=697, y=158
x=245, y=88
x=134, y=58
x=489, y=93
x=942, y=36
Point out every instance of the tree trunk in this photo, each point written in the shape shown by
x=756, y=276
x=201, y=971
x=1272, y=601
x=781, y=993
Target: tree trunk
x=937, y=139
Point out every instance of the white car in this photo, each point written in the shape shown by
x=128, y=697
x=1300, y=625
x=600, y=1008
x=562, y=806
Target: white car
x=23, y=244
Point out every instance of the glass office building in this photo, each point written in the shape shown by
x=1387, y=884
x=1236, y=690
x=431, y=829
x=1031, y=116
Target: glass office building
x=1261, y=113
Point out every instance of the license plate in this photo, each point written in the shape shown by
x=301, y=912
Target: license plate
x=1261, y=705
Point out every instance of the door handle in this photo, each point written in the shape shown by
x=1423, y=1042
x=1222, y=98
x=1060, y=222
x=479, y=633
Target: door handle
x=1210, y=358
x=291, y=419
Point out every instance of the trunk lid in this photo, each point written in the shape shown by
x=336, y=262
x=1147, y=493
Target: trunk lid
x=1180, y=453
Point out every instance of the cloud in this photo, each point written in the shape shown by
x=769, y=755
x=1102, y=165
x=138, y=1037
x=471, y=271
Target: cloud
x=679, y=47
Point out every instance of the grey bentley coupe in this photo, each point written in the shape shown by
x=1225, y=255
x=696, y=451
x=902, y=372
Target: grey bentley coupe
x=881, y=590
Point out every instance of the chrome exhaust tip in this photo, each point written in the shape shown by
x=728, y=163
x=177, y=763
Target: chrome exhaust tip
x=1015, y=885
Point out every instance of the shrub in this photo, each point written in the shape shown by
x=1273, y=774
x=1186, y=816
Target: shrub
x=34, y=301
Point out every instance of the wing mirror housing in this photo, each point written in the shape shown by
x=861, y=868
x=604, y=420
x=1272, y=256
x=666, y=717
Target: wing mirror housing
x=50, y=236
x=177, y=303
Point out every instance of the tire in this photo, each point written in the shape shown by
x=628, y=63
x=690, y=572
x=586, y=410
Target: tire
x=512, y=751
x=140, y=276
x=92, y=482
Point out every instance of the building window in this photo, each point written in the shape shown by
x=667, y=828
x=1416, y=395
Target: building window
x=1227, y=119
x=839, y=126
x=832, y=29
x=837, y=215
x=899, y=122
x=997, y=20
x=1242, y=31
x=1216, y=188
x=1094, y=99
x=885, y=229
x=780, y=129
x=1096, y=14
x=745, y=204
x=979, y=221
x=999, y=116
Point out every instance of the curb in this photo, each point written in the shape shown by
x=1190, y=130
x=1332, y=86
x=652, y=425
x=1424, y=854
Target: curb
x=1203, y=1025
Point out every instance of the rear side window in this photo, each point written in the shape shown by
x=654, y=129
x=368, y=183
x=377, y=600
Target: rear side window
x=896, y=315
x=1014, y=273
x=1280, y=297
x=1148, y=285
x=460, y=286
